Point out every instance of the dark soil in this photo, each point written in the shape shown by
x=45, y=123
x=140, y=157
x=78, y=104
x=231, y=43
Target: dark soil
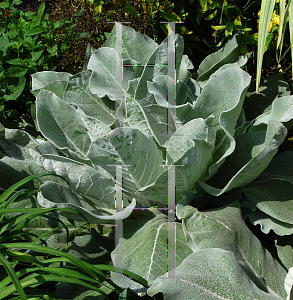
x=81, y=14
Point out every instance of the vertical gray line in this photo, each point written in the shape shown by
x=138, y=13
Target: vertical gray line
x=119, y=124
x=119, y=223
x=118, y=77
x=171, y=222
x=172, y=75
x=171, y=170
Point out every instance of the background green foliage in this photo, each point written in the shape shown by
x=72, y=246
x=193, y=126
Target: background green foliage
x=26, y=47
x=59, y=32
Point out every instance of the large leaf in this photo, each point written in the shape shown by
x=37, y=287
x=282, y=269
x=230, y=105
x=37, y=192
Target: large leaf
x=186, y=137
x=209, y=274
x=23, y=150
x=289, y=284
x=191, y=158
x=136, y=46
x=185, y=65
x=103, y=81
x=157, y=119
x=184, y=96
x=158, y=106
x=271, y=192
x=225, y=229
x=282, y=110
x=13, y=170
x=78, y=94
x=223, y=97
x=284, y=245
x=271, y=87
x=134, y=114
x=145, y=248
x=60, y=124
x=18, y=144
x=89, y=181
x=227, y=55
x=51, y=81
x=268, y=223
x=253, y=153
x=52, y=194
x=131, y=149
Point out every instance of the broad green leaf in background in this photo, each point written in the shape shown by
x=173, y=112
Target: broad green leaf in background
x=271, y=87
x=15, y=89
x=271, y=192
x=229, y=55
x=284, y=245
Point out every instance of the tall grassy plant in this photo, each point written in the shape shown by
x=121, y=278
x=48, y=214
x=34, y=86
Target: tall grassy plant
x=267, y=7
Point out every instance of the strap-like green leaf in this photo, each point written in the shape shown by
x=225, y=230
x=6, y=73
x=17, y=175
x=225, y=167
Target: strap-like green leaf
x=266, y=11
x=10, y=271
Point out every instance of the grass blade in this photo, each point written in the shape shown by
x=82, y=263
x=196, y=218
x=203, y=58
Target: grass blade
x=10, y=271
x=96, y=268
x=30, y=214
x=133, y=276
x=59, y=271
x=266, y=11
x=50, y=251
x=39, y=279
x=10, y=190
x=282, y=27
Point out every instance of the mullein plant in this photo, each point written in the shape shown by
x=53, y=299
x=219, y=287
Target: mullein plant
x=224, y=145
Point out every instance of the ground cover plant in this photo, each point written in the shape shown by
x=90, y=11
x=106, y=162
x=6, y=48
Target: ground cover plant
x=229, y=179
x=25, y=48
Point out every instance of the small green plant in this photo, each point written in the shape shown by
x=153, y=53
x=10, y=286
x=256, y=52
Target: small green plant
x=227, y=18
x=25, y=48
